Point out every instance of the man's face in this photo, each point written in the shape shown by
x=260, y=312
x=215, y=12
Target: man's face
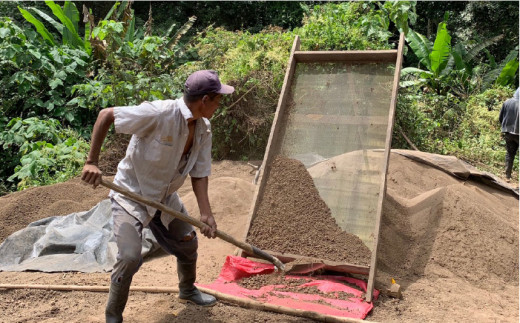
x=210, y=105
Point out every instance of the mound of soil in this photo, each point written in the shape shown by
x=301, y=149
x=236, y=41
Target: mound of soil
x=292, y=218
x=452, y=245
x=19, y=209
x=447, y=227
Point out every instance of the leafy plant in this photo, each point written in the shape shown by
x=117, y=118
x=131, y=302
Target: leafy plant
x=400, y=12
x=253, y=63
x=131, y=66
x=36, y=78
x=450, y=68
x=468, y=129
x=68, y=28
x=43, y=152
x=344, y=26
x=504, y=73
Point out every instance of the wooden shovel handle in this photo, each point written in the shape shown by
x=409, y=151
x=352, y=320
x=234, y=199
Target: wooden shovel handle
x=199, y=224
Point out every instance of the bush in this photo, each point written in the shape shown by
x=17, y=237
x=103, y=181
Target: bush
x=344, y=26
x=36, y=79
x=40, y=151
x=255, y=65
x=446, y=125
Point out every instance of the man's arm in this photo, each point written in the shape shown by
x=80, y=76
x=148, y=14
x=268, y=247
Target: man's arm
x=200, y=188
x=91, y=173
x=501, y=114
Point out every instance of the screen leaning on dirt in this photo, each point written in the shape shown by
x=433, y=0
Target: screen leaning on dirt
x=337, y=116
x=333, y=133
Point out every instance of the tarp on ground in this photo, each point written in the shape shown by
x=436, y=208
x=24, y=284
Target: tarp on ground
x=326, y=301
x=82, y=241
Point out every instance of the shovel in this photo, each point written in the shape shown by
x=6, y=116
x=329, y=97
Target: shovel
x=252, y=250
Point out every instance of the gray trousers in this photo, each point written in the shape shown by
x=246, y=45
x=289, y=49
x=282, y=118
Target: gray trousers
x=179, y=239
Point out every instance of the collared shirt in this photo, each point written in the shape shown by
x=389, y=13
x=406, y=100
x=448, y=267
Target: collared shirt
x=151, y=166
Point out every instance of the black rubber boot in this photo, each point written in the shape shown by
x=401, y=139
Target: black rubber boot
x=188, y=293
x=117, y=301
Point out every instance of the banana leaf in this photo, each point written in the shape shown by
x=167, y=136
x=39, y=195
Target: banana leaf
x=458, y=53
x=183, y=30
x=476, y=50
x=49, y=19
x=411, y=70
x=121, y=9
x=71, y=12
x=421, y=47
x=441, y=49
x=494, y=74
x=39, y=26
x=111, y=11
x=507, y=76
x=75, y=40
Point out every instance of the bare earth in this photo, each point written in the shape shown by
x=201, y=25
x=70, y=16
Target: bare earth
x=451, y=245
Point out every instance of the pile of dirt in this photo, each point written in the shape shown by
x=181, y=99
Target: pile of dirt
x=452, y=245
x=436, y=225
x=292, y=218
x=259, y=281
x=19, y=209
x=114, y=150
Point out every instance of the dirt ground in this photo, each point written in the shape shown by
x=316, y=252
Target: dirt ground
x=451, y=245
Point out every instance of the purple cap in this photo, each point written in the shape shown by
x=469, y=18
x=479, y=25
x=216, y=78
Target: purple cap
x=204, y=82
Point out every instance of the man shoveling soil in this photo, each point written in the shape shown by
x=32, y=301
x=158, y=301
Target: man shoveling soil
x=171, y=139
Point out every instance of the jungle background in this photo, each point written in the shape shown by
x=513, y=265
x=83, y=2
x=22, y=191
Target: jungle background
x=62, y=62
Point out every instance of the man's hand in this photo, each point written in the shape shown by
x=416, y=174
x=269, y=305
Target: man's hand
x=91, y=174
x=210, y=230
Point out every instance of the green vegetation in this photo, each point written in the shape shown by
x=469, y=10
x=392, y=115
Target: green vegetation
x=452, y=68
x=58, y=72
x=44, y=152
x=446, y=124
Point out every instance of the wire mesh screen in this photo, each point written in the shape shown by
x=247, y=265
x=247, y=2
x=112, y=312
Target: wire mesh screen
x=336, y=123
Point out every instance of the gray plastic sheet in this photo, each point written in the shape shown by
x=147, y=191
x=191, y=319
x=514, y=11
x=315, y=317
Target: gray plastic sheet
x=82, y=241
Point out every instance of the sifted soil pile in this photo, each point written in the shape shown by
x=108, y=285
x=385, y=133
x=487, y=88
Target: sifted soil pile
x=292, y=218
x=291, y=285
x=452, y=245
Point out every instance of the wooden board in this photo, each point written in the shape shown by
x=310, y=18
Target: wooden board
x=355, y=56
x=382, y=191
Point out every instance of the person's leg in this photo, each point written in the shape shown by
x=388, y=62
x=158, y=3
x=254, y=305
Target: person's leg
x=127, y=231
x=511, y=150
x=180, y=240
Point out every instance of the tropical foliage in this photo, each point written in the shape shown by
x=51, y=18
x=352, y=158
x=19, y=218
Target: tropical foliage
x=466, y=128
x=60, y=64
x=454, y=68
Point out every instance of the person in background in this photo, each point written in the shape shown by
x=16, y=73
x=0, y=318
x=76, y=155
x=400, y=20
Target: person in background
x=508, y=118
x=170, y=139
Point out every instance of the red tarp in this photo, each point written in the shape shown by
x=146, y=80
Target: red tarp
x=236, y=268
